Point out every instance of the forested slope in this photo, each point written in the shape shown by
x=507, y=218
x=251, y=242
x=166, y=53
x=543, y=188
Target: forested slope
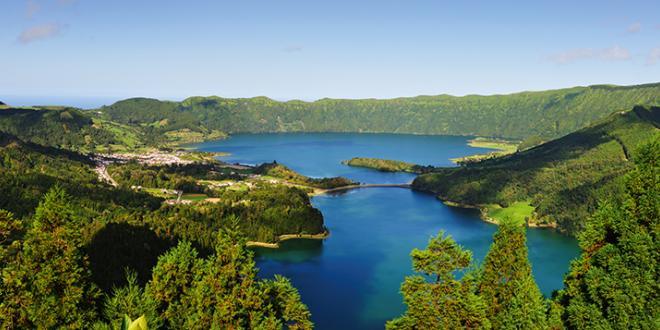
x=28, y=171
x=67, y=128
x=545, y=114
x=562, y=179
x=111, y=220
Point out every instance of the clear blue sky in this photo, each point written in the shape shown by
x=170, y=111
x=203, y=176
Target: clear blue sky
x=312, y=49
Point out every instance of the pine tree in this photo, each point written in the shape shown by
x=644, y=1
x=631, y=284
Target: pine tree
x=506, y=285
x=223, y=290
x=131, y=300
x=436, y=299
x=171, y=278
x=614, y=284
x=47, y=284
x=11, y=230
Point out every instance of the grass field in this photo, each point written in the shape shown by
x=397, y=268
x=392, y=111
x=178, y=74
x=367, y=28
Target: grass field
x=501, y=148
x=158, y=192
x=501, y=145
x=194, y=197
x=518, y=211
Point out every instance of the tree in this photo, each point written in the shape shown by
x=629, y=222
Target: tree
x=506, y=285
x=223, y=291
x=131, y=300
x=436, y=299
x=171, y=279
x=47, y=284
x=614, y=284
x=10, y=233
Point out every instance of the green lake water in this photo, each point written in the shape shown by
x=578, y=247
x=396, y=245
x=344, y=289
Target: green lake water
x=351, y=280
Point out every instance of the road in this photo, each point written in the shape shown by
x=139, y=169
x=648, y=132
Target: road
x=375, y=185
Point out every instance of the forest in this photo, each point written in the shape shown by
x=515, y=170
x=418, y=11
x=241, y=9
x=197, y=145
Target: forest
x=563, y=179
x=57, y=275
x=76, y=252
x=612, y=285
x=79, y=253
x=545, y=114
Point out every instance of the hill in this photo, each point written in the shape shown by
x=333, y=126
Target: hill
x=67, y=128
x=114, y=220
x=544, y=114
x=561, y=180
x=28, y=171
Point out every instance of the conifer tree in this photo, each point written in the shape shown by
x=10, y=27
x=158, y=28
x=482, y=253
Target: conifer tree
x=131, y=300
x=614, y=284
x=436, y=299
x=506, y=285
x=47, y=284
x=223, y=290
x=10, y=232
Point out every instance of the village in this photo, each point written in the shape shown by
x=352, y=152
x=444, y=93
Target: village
x=245, y=180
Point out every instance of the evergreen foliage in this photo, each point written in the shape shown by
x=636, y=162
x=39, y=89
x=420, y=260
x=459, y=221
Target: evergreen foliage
x=614, y=284
x=506, y=284
x=131, y=300
x=436, y=299
x=65, y=128
x=65, y=236
x=547, y=114
x=47, y=284
x=562, y=179
x=503, y=295
x=222, y=291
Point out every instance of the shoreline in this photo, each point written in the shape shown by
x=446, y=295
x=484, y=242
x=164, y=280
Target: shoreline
x=483, y=213
x=325, y=234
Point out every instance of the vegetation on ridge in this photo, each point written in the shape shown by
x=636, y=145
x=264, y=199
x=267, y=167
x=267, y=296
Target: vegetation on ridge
x=613, y=285
x=282, y=172
x=386, y=165
x=78, y=253
x=68, y=128
x=46, y=281
x=562, y=179
x=546, y=114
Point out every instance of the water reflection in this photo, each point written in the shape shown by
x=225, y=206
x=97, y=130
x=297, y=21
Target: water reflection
x=291, y=251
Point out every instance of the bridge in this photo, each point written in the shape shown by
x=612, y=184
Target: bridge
x=374, y=185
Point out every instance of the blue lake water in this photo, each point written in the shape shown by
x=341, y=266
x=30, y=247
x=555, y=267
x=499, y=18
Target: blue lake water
x=351, y=280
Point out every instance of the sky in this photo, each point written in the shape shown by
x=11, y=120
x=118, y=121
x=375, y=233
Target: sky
x=91, y=51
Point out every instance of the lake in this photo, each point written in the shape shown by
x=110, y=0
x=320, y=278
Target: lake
x=351, y=279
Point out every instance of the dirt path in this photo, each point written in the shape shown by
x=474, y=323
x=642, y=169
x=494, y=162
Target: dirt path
x=102, y=170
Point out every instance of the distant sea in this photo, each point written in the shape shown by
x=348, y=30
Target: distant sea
x=78, y=102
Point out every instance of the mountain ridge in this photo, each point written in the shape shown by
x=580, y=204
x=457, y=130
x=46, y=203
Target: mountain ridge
x=562, y=179
x=547, y=114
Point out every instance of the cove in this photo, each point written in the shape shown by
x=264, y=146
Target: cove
x=351, y=280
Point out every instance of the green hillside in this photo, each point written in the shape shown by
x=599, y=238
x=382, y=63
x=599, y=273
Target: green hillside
x=545, y=114
x=111, y=220
x=28, y=171
x=562, y=179
x=67, y=128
